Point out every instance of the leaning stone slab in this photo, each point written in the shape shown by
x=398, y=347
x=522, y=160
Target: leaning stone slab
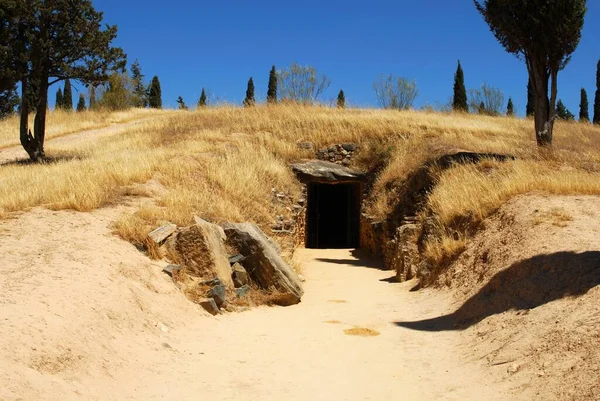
x=263, y=262
x=159, y=235
x=172, y=270
x=323, y=171
x=201, y=250
x=209, y=305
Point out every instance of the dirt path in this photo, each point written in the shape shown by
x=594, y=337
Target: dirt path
x=85, y=316
x=14, y=153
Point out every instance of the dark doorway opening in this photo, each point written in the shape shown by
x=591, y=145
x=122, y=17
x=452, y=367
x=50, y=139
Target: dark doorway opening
x=333, y=218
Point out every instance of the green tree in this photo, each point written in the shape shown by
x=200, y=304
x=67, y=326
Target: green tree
x=272, y=89
x=545, y=33
x=45, y=42
x=81, y=103
x=249, y=101
x=140, y=91
x=92, y=94
x=584, y=107
x=155, y=94
x=563, y=113
x=341, y=100
x=459, y=101
x=597, y=97
x=510, y=108
x=9, y=100
x=202, y=100
x=117, y=94
x=530, y=109
x=58, y=104
x=67, y=102
x=181, y=104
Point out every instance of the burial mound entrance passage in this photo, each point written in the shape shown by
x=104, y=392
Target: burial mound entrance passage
x=334, y=195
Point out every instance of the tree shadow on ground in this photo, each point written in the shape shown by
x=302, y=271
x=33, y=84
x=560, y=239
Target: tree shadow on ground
x=525, y=285
x=45, y=160
x=362, y=259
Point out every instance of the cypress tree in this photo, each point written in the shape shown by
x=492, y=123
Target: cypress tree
x=249, y=101
x=584, y=107
x=272, y=89
x=510, y=109
x=68, y=96
x=81, y=103
x=59, y=100
x=155, y=94
x=530, y=109
x=597, y=98
x=341, y=100
x=202, y=100
x=459, y=102
x=140, y=94
x=562, y=112
x=181, y=103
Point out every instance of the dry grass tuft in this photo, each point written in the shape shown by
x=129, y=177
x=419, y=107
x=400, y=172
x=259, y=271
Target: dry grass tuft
x=362, y=332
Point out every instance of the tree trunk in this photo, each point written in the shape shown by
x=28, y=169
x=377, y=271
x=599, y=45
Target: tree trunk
x=544, y=107
x=28, y=141
x=39, y=129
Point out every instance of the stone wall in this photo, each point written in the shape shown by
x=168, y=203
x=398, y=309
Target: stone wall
x=339, y=153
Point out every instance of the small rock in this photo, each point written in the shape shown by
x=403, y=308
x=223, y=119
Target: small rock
x=240, y=276
x=218, y=294
x=350, y=147
x=301, y=201
x=514, y=368
x=236, y=259
x=209, y=305
x=242, y=291
x=346, y=162
x=171, y=270
x=212, y=283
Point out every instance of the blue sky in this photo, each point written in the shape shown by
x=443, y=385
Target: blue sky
x=218, y=45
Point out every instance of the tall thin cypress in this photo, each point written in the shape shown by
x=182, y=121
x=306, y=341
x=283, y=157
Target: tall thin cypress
x=341, y=100
x=58, y=104
x=155, y=94
x=530, y=109
x=249, y=101
x=584, y=107
x=597, y=98
x=202, y=100
x=459, y=102
x=272, y=89
x=510, y=108
x=81, y=103
x=68, y=96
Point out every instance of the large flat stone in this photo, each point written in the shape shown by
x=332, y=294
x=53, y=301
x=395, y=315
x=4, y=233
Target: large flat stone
x=263, y=262
x=322, y=171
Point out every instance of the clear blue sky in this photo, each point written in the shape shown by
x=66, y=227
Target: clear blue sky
x=218, y=45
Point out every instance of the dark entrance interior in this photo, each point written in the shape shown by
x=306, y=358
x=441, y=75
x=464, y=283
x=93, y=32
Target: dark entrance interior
x=333, y=219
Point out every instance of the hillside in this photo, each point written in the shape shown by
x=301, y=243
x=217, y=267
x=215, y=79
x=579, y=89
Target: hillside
x=94, y=309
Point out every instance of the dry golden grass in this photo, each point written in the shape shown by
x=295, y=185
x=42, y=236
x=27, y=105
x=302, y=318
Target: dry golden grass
x=222, y=163
x=62, y=123
x=362, y=332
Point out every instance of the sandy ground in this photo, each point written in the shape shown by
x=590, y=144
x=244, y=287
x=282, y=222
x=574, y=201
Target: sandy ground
x=15, y=153
x=528, y=294
x=85, y=316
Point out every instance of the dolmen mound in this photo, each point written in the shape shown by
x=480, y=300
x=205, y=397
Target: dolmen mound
x=226, y=267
